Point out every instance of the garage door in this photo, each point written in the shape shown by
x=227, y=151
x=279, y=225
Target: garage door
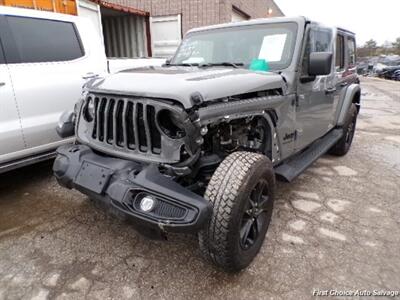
x=166, y=35
x=91, y=11
x=124, y=34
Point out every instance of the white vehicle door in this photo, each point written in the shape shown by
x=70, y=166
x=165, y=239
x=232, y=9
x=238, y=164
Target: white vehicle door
x=11, y=140
x=49, y=65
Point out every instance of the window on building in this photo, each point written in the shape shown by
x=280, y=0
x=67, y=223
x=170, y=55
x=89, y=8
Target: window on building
x=319, y=40
x=40, y=40
x=351, y=50
x=339, y=52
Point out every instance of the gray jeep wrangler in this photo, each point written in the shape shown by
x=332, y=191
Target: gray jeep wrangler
x=195, y=145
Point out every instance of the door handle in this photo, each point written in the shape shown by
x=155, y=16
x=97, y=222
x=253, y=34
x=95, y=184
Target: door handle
x=90, y=75
x=2, y=84
x=330, y=90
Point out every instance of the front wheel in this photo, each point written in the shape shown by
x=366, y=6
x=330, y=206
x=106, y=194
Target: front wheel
x=242, y=193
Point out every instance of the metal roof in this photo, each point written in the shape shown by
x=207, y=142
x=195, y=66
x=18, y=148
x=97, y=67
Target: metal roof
x=263, y=21
x=124, y=8
x=345, y=30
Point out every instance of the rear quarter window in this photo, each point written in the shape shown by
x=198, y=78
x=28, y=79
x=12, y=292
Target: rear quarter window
x=40, y=40
x=339, y=53
x=351, y=51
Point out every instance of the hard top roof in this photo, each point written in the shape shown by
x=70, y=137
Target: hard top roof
x=261, y=21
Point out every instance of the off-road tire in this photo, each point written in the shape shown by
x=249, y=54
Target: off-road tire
x=343, y=145
x=229, y=192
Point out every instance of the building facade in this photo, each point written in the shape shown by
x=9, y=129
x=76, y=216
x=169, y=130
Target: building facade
x=196, y=13
x=134, y=28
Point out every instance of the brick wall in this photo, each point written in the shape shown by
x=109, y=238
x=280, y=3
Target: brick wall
x=197, y=13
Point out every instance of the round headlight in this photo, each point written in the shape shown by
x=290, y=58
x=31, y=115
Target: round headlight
x=147, y=203
x=170, y=124
x=89, y=110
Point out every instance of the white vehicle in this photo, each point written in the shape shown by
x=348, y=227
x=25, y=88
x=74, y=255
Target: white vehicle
x=45, y=58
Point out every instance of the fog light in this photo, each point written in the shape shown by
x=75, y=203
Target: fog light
x=147, y=204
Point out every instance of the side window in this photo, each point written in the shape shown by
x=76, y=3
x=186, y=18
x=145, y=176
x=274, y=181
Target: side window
x=40, y=40
x=351, y=51
x=319, y=39
x=339, y=53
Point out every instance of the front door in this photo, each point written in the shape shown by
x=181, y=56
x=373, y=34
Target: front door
x=11, y=140
x=316, y=96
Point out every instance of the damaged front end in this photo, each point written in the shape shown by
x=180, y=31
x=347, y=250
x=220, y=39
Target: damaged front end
x=151, y=158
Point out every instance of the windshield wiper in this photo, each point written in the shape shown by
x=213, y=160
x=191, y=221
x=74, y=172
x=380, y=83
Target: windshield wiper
x=224, y=64
x=182, y=65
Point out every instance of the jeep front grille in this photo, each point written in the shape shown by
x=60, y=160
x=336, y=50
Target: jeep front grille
x=132, y=127
x=126, y=123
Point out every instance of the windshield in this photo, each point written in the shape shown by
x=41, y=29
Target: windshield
x=273, y=43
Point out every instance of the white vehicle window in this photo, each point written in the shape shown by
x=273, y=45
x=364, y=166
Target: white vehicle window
x=40, y=40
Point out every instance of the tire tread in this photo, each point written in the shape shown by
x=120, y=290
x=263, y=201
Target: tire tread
x=222, y=191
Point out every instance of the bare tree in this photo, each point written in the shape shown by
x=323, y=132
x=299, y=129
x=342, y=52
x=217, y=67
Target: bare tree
x=396, y=45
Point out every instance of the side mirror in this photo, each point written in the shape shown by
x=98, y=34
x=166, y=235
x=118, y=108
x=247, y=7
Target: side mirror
x=320, y=63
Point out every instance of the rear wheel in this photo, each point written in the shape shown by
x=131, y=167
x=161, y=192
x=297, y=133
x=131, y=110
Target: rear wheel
x=242, y=193
x=343, y=145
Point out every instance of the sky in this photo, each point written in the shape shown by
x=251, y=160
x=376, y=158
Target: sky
x=378, y=20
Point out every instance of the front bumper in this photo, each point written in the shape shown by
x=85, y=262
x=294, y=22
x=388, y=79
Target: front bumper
x=122, y=184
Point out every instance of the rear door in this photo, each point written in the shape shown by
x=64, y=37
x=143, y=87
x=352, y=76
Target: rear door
x=345, y=67
x=11, y=140
x=47, y=63
x=351, y=68
x=340, y=67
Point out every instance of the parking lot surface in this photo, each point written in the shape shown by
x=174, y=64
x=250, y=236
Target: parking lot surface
x=337, y=227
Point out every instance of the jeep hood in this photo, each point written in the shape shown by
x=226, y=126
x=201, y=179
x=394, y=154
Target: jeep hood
x=179, y=83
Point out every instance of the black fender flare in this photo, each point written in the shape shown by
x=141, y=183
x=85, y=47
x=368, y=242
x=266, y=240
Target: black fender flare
x=346, y=99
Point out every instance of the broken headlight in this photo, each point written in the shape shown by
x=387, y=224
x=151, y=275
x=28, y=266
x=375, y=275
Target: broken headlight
x=89, y=110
